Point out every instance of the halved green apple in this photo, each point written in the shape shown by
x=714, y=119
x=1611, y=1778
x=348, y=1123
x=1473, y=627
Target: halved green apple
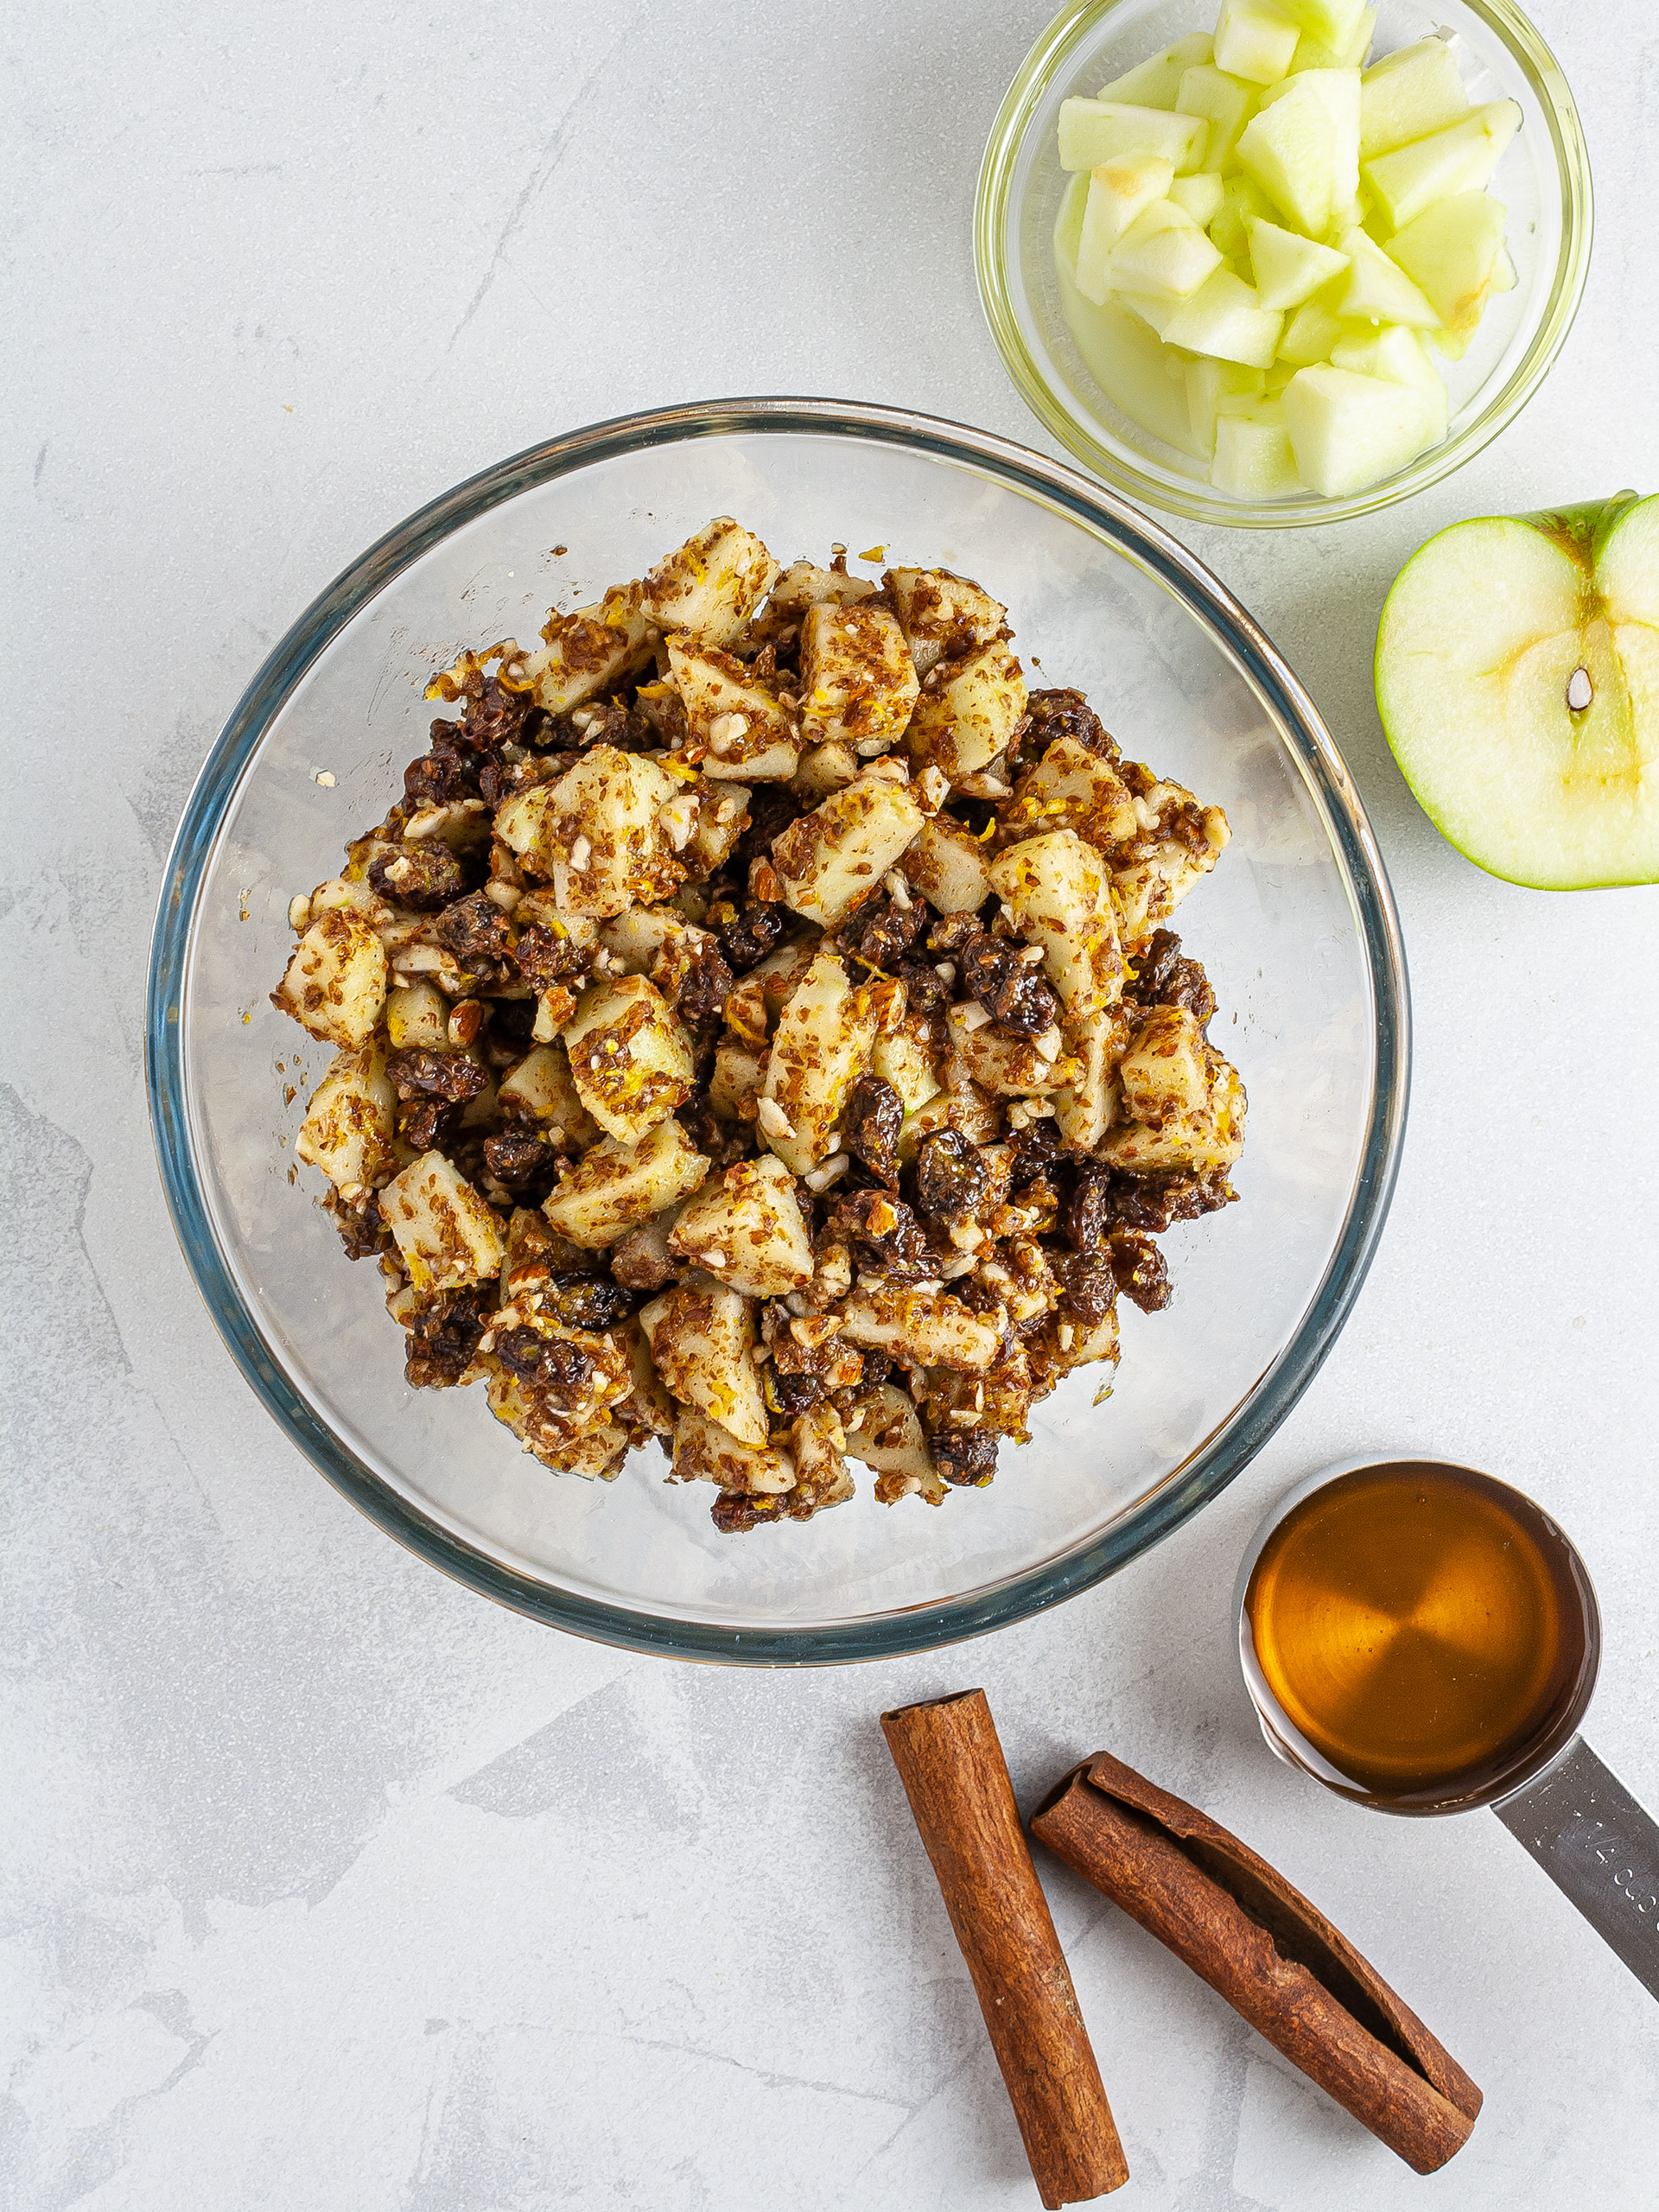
x=1517, y=677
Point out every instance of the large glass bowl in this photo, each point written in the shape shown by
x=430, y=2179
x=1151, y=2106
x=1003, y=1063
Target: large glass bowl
x=1297, y=928
x=1543, y=180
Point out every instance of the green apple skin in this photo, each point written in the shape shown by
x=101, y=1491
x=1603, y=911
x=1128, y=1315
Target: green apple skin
x=1483, y=632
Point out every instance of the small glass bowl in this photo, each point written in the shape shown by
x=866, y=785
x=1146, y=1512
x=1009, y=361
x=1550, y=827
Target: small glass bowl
x=1543, y=180
x=1297, y=929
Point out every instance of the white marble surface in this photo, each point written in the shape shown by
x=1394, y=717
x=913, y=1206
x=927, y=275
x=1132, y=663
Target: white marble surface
x=336, y=1889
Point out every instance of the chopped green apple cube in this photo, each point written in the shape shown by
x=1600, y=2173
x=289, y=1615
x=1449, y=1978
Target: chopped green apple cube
x=1243, y=202
x=1379, y=290
x=1337, y=92
x=1203, y=196
x=1255, y=39
x=1163, y=253
x=1157, y=313
x=1313, y=54
x=1349, y=432
x=1253, y=456
x=1156, y=83
x=1093, y=131
x=1407, y=95
x=1460, y=158
x=1224, y=318
x=1119, y=191
x=1331, y=21
x=1452, y=252
x=1212, y=385
x=1227, y=105
x=1398, y=354
x=1294, y=148
x=1127, y=360
x=1289, y=269
x=1312, y=331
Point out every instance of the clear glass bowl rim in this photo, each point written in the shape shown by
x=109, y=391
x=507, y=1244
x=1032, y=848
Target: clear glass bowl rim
x=1193, y=1486
x=1051, y=53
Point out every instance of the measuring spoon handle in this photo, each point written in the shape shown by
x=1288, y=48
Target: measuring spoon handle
x=1598, y=1847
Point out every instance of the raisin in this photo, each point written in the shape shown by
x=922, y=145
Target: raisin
x=888, y=933
x=870, y=1123
x=722, y=1142
x=734, y=1512
x=883, y=1236
x=473, y=929
x=1152, y=1202
x=443, y=1337
x=1086, y=1216
x=491, y=717
x=701, y=1003
x=1088, y=1286
x=758, y=930
x=878, y=1368
x=1141, y=1271
x=965, y=1457
x=513, y=1022
x=428, y=1125
x=593, y=1302
x=1052, y=714
x=441, y=776
x=546, y=956
x=517, y=1156
x=1011, y=990
x=924, y=991
x=415, y=1071
x=1165, y=977
x=555, y=1368
x=1035, y=1150
x=791, y=1394
x=422, y=876
x=772, y=807
x=362, y=1229
x=952, y=932
x=951, y=1178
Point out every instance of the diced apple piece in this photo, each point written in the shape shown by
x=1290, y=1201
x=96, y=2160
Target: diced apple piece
x=630, y=1060
x=1409, y=94
x=1378, y=289
x=347, y=1130
x=335, y=983
x=745, y=1227
x=1460, y=158
x=713, y=585
x=1255, y=39
x=1227, y=103
x=596, y=834
x=1056, y=887
x=1331, y=21
x=702, y=1345
x=615, y=1187
x=1349, y=432
x=1253, y=459
x=947, y=864
x=858, y=684
x=926, y=1328
x=706, y=1452
x=1118, y=192
x=1006, y=1066
x=746, y=729
x=1086, y=1108
x=1130, y=365
x=830, y=858
x=1311, y=333
x=1093, y=131
x=588, y=650
x=540, y=1089
x=1243, y=202
x=1399, y=354
x=1291, y=150
x=803, y=585
x=886, y=1433
x=1313, y=53
x=1452, y=252
x=1156, y=83
x=1337, y=91
x=1193, y=1143
x=937, y=610
x=445, y=1234
x=1163, y=253
x=1210, y=382
x=1156, y=314
x=905, y=1061
x=1223, y=318
x=1289, y=269
x=1202, y=197
x=967, y=713
x=1071, y=787
x=824, y=1037
x=418, y=1014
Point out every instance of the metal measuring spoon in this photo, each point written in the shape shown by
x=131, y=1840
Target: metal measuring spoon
x=1549, y=1788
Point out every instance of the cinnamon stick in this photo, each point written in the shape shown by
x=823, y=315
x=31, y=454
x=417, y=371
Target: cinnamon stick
x=951, y=1765
x=1260, y=1944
